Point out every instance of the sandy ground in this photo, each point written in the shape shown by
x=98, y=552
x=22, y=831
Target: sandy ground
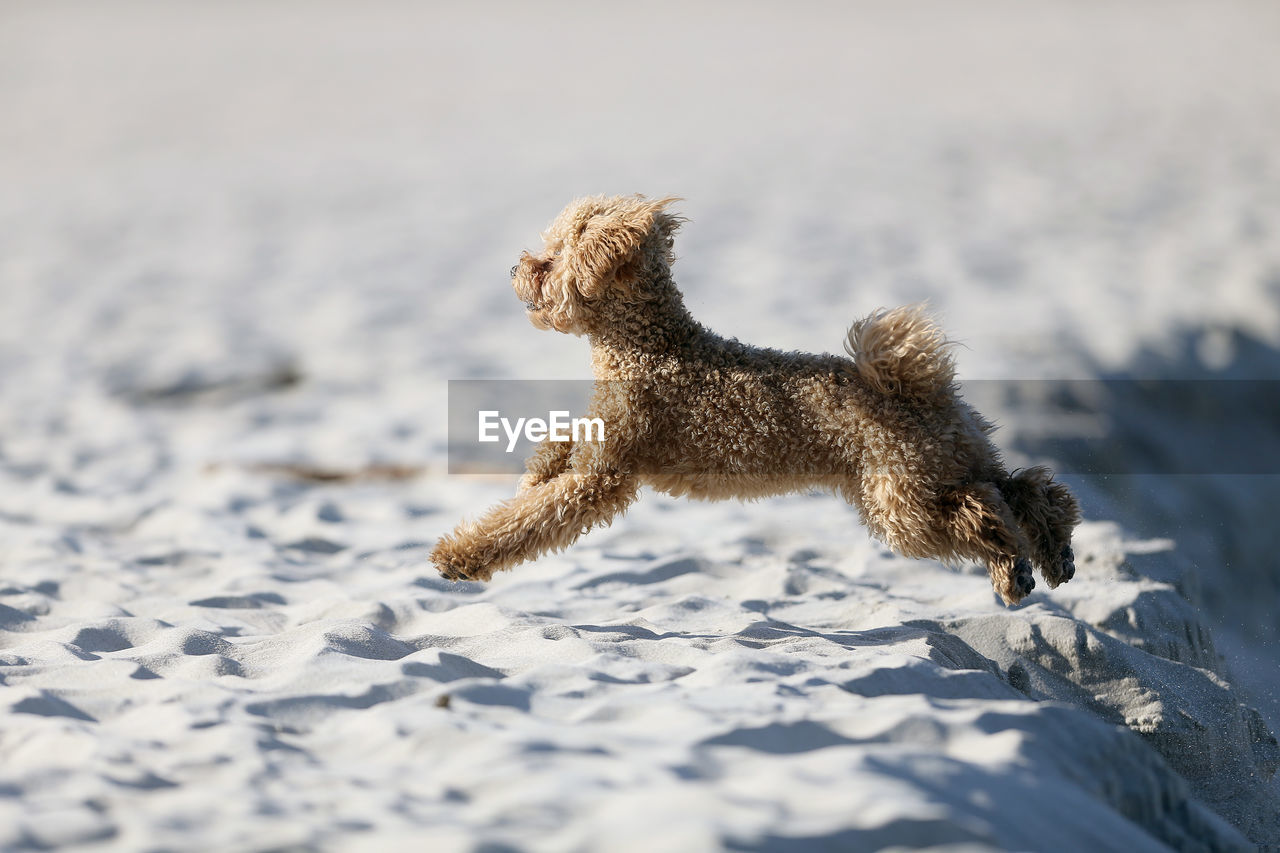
x=242, y=250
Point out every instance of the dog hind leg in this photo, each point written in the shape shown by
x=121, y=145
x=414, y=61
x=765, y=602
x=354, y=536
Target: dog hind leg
x=1047, y=512
x=981, y=526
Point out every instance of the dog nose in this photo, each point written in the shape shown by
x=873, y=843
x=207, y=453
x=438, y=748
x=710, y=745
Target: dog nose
x=513, y=270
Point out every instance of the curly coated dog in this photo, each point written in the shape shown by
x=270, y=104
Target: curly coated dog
x=688, y=412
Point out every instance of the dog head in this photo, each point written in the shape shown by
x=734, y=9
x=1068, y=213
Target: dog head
x=598, y=252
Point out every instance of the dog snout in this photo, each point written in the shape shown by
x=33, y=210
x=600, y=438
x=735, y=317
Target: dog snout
x=524, y=258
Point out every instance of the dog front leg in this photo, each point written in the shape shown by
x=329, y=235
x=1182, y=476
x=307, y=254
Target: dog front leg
x=544, y=517
x=549, y=460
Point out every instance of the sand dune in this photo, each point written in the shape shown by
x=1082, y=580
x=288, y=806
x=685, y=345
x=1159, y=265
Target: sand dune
x=770, y=692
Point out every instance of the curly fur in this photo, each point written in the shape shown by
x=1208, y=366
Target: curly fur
x=691, y=413
x=899, y=351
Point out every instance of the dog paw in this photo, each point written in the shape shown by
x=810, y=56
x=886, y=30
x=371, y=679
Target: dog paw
x=1019, y=583
x=1023, y=580
x=455, y=567
x=1062, y=569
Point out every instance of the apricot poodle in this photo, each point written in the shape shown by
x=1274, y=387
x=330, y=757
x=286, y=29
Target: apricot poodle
x=688, y=412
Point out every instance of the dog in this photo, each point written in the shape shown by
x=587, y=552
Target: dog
x=690, y=413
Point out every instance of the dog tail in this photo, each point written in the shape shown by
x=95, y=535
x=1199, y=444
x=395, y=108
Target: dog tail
x=900, y=351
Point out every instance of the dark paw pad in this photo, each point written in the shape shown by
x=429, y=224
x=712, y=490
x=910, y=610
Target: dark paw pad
x=1068, y=563
x=1023, y=580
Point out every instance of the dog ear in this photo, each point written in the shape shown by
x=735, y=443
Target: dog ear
x=613, y=234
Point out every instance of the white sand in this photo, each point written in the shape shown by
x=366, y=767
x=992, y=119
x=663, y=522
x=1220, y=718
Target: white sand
x=236, y=240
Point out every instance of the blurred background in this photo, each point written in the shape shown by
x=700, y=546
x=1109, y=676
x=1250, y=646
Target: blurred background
x=267, y=234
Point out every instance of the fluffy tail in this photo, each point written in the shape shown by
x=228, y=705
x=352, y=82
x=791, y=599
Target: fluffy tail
x=900, y=351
